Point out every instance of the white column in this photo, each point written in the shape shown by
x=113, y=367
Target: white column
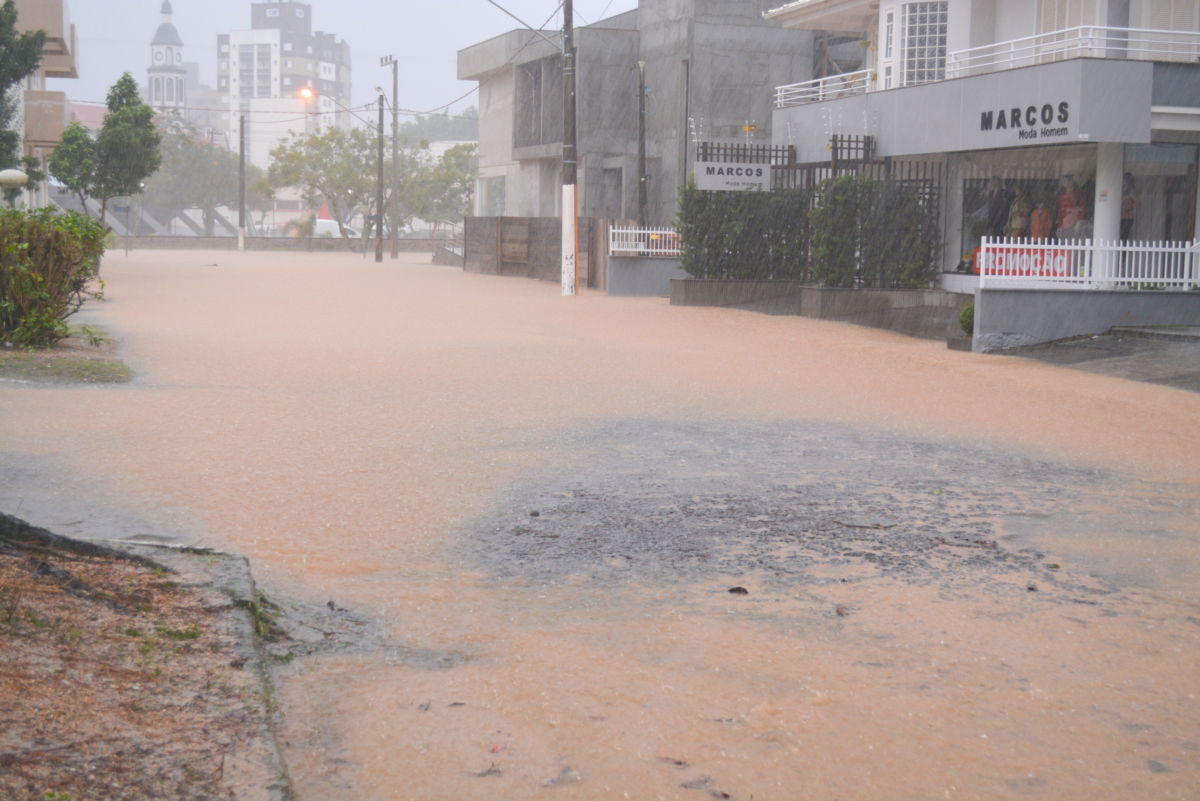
x=569, y=266
x=1110, y=168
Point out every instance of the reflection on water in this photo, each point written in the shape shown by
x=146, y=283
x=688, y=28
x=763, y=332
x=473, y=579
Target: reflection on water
x=924, y=617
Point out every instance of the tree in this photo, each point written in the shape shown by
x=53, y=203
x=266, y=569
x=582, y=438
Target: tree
x=20, y=54
x=442, y=127
x=340, y=168
x=127, y=148
x=449, y=186
x=73, y=162
x=193, y=174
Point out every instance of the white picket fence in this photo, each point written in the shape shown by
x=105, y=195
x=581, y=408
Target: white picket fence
x=1085, y=263
x=643, y=242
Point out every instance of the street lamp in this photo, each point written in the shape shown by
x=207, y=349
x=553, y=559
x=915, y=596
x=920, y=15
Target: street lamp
x=13, y=178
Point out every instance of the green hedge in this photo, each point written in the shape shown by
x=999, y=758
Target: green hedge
x=744, y=234
x=47, y=262
x=854, y=231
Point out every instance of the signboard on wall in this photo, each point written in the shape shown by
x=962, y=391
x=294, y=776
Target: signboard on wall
x=729, y=176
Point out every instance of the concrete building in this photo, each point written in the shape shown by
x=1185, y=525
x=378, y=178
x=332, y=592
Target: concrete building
x=262, y=70
x=44, y=114
x=1052, y=119
x=707, y=66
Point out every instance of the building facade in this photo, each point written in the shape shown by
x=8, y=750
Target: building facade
x=44, y=114
x=706, y=67
x=1052, y=119
x=261, y=72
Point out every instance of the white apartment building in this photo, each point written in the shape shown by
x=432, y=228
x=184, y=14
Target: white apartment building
x=282, y=76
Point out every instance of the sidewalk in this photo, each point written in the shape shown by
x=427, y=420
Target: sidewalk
x=1158, y=355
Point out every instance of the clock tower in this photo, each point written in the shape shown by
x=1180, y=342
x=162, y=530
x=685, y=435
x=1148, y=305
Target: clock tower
x=167, y=76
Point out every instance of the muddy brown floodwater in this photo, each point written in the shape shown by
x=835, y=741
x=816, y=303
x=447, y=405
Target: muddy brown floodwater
x=956, y=576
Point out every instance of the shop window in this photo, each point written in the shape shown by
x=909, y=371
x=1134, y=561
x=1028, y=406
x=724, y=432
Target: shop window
x=1026, y=194
x=1158, y=196
x=923, y=53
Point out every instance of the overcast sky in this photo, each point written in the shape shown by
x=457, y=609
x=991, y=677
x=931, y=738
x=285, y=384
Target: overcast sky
x=114, y=37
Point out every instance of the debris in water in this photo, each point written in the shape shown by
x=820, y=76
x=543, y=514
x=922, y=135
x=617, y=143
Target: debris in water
x=457, y=703
x=491, y=771
x=841, y=610
x=1031, y=587
x=1157, y=767
x=495, y=749
x=738, y=591
x=679, y=763
x=565, y=776
x=425, y=707
x=535, y=513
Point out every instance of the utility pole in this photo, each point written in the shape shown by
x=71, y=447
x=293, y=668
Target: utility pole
x=383, y=62
x=570, y=208
x=379, y=189
x=242, y=182
x=641, y=65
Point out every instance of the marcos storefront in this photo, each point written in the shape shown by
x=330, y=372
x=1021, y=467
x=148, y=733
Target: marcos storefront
x=1080, y=149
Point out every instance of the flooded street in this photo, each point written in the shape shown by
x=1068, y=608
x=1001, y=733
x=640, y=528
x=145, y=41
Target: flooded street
x=610, y=548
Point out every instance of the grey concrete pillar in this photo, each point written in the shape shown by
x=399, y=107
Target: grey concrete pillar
x=1110, y=167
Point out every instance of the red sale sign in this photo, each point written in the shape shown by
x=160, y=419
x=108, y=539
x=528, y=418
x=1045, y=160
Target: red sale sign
x=1023, y=261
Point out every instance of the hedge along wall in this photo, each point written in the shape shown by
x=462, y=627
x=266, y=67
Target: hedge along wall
x=853, y=230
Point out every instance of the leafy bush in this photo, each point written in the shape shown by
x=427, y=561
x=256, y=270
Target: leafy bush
x=871, y=233
x=966, y=319
x=757, y=235
x=47, y=262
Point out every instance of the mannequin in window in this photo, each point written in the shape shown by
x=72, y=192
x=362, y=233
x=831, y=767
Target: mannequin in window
x=1070, y=207
x=997, y=208
x=1018, y=214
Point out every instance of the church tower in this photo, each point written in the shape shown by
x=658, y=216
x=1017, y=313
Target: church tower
x=167, y=76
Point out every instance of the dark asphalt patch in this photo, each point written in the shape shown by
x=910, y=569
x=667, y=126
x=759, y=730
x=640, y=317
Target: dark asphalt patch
x=788, y=503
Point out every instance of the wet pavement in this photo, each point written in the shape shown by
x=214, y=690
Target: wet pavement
x=602, y=547
x=1166, y=356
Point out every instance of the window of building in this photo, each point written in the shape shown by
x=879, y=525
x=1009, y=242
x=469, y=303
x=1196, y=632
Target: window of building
x=1039, y=193
x=889, y=33
x=1159, y=193
x=299, y=12
x=272, y=12
x=923, y=55
x=491, y=197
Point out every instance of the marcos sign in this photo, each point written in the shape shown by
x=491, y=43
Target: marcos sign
x=728, y=176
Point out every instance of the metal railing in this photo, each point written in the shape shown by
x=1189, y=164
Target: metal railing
x=1084, y=41
x=827, y=88
x=643, y=242
x=1086, y=263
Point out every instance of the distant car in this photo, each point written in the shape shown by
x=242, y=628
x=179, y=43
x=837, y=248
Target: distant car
x=329, y=228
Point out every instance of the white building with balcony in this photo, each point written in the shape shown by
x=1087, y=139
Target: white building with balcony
x=1052, y=120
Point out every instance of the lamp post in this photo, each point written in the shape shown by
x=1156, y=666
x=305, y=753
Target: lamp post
x=395, y=65
x=13, y=178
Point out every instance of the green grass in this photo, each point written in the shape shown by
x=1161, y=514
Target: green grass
x=46, y=366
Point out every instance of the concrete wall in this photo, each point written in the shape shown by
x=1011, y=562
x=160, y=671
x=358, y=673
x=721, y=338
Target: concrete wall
x=1009, y=318
x=711, y=67
x=924, y=313
x=636, y=276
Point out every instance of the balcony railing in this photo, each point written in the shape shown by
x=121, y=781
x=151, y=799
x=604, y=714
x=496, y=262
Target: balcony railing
x=827, y=88
x=1085, y=41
